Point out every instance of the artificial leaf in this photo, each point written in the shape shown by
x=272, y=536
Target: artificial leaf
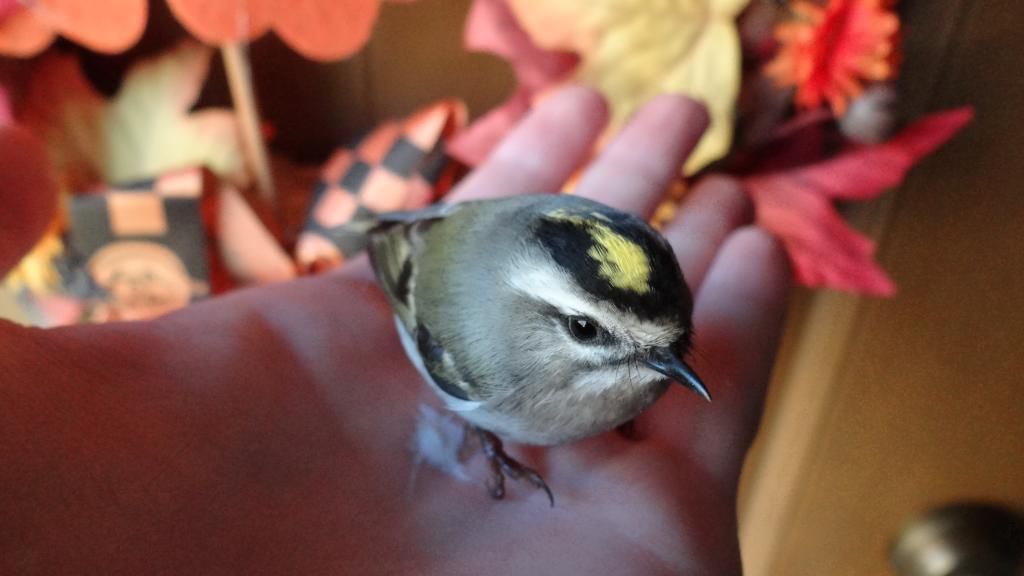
x=491, y=27
x=633, y=50
x=146, y=130
x=223, y=22
x=28, y=194
x=7, y=7
x=318, y=29
x=6, y=117
x=103, y=25
x=150, y=129
x=69, y=115
x=24, y=33
x=802, y=139
x=796, y=204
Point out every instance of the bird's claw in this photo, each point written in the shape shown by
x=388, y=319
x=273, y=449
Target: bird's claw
x=503, y=465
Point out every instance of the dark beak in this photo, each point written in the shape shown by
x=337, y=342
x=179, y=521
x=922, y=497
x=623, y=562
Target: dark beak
x=666, y=361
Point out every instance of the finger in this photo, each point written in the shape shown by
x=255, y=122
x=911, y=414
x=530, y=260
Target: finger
x=716, y=206
x=544, y=149
x=636, y=168
x=739, y=317
x=27, y=194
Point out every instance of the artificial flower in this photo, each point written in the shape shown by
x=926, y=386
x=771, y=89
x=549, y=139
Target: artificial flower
x=828, y=52
x=27, y=28
x=633, y=50
x=318, y=29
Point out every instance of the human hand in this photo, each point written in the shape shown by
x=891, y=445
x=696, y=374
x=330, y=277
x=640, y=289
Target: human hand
x=267, y=431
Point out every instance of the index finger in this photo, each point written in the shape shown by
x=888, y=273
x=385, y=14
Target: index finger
x=543, y=151
x=635, y=169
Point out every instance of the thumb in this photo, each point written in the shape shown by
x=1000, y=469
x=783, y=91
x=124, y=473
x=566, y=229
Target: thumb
x=28, y=194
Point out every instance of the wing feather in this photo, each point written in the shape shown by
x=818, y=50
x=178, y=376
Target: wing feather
x=395, y=246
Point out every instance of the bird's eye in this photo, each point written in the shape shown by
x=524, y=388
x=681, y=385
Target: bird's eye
x=582, y=328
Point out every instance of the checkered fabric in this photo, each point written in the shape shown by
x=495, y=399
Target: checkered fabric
x=168, y=218
x=399, y=166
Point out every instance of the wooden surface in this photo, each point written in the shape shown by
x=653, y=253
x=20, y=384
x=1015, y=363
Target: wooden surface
x=921, y=403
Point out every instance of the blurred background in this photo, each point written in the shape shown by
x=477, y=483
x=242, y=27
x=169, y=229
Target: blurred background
x=882, y=408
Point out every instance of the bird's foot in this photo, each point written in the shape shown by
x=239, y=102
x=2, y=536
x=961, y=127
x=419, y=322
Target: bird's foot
x=503, y=465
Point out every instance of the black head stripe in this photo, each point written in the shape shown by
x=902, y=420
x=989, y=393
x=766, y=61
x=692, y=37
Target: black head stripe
x=572, y=238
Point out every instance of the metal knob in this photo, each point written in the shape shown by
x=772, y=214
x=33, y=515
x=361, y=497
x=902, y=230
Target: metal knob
x=963, y=539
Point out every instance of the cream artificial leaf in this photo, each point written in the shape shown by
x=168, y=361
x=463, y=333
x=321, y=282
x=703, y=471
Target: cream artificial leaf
x=144, y=131
x=148, y=128
x=633, y=50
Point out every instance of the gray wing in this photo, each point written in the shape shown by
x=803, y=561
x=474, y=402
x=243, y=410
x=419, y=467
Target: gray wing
x=396, y=245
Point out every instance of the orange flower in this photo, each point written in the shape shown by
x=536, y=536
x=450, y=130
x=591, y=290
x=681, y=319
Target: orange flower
x=27, y=28
x=317, y=29
x=827, y=52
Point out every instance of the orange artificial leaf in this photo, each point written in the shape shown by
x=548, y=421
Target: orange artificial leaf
x=796, y=204
x=318, y=29
x=326, y=29
x=24, y=33
x=219, y=22
x=107, y=26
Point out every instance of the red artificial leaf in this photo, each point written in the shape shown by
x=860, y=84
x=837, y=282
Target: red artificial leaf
x=6, y=117
x=28, y=194
x=801, y=140
x=492, y=27
x=796, y=205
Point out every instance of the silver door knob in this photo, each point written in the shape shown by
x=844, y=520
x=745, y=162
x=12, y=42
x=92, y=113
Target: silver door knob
x=963, y=539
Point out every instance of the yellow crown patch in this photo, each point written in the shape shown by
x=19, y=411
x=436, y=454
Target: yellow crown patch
x=622, y=262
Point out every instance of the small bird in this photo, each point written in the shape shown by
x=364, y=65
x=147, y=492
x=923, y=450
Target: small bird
x=540, y=319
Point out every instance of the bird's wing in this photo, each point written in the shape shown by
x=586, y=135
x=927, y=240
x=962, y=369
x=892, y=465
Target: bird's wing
x=395, y=246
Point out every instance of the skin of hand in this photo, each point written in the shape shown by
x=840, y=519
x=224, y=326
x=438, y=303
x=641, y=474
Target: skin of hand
x=268, y=431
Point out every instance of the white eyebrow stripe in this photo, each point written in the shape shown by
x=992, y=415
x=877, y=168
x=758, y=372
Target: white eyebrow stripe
x=553, y=286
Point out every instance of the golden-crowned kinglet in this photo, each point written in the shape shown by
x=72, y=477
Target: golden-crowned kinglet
x=542, y=319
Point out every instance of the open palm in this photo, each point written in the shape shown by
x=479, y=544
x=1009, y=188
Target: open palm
x=268, y=431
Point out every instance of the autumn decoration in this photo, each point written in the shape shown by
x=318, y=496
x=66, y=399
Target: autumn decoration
x=802, y=97
x=828, y=52
x=802, y=114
